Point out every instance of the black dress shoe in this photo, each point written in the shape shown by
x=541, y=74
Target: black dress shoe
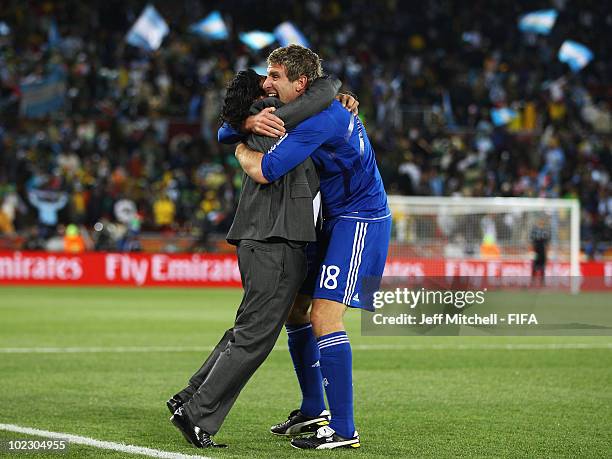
x=192, y=433
x=174, y=404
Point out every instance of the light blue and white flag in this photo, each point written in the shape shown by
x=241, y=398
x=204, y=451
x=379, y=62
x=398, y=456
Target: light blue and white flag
x=43, y=97
x=473, y=37
x=287, y=34
x=148, y=31
x=575, y=55
x=502, y=116
x=4, y=29
x=541, y=21
x=261, y=69
x=257, y=39
x=212, y=27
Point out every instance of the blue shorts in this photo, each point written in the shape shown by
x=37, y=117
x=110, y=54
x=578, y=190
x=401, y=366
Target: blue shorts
x=347, y=263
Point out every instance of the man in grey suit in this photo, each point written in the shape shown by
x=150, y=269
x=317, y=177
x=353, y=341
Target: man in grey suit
x=272, y=226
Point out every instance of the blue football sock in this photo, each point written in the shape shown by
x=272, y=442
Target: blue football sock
x=305, y=355
x=336, y=367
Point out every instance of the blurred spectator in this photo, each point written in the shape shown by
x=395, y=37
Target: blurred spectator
x=73, y=241
x=489, y=250
x=11, y=203
x=164, y=211
x=48, y=204
x=134, y=125
x=33, y=239
x=130, y=241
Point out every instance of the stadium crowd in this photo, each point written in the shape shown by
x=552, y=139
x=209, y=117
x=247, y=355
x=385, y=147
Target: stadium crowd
x=135, y=139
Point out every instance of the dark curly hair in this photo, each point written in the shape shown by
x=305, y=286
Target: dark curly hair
x=242, y=91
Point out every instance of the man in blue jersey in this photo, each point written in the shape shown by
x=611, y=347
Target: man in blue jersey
x=352, y=249
x=271, y=228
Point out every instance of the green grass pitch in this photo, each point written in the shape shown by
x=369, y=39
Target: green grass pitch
x=411, y=399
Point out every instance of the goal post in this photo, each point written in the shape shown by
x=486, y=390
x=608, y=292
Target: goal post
x=436, y=229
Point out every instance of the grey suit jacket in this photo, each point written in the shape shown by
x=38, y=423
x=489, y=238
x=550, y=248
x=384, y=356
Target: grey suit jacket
x=283, y=209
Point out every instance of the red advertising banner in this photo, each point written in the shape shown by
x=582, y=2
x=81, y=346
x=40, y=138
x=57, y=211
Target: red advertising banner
x=221, y=270
x=595, y=275
x=123, y=269
x=488, y=268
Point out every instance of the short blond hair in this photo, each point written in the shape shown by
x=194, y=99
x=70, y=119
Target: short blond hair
x=297, y=61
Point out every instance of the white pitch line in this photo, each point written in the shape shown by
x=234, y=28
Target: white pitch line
x=77, y=439
x=486, y=347
x=102, y=349
x=357, y=347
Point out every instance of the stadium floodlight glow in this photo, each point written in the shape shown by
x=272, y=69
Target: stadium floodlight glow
x=541, y=21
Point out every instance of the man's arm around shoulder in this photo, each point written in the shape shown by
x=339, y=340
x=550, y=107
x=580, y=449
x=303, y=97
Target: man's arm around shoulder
x=291, y=149
x=250, y=161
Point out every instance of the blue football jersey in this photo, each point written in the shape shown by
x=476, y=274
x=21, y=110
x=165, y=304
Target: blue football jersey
x=337, y=142
x=228, y=135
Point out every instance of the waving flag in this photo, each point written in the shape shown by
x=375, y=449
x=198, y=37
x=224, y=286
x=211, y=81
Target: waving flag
x=473, y=37
x=212, y=27
x=287, y=34
x=43, y=97
x=4, y=28
x=541, y=21
x=575, y=55
x=502, y=116
x=261, y=69
x=256, y=39
x=149, y=30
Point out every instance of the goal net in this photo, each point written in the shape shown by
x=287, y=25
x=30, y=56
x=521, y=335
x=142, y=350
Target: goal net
x=482, y=236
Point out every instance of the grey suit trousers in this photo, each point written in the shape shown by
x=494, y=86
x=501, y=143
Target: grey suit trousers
x=272, y=273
